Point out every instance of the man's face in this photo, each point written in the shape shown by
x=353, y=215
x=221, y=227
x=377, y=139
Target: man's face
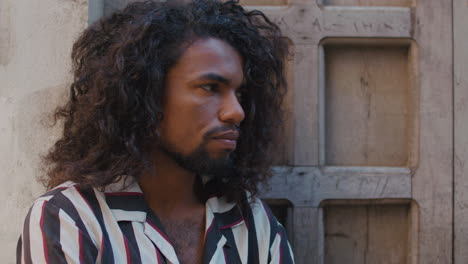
x=201, y=109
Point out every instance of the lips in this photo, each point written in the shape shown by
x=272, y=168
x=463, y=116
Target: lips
x=228, y=135
x=227, y=140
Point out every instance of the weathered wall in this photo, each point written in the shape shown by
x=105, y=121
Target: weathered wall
x=35, y=43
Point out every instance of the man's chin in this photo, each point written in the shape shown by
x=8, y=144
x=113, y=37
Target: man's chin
x=220, y=156
x=214, y=166
x=202, y=161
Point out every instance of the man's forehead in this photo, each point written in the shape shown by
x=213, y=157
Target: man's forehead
x=210, y=58
x=210, y=50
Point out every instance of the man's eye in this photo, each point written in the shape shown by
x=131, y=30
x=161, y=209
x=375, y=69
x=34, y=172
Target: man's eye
x=211, y=87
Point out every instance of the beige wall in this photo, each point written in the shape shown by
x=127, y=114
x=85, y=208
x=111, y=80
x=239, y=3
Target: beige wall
x=35, y=44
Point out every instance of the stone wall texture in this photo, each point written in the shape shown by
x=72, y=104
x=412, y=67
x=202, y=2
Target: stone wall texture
x=35, y=44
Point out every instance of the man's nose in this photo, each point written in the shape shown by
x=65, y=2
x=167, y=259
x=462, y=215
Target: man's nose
x=231, y=110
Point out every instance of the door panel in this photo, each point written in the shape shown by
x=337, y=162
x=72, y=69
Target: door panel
x=368, y=103
x=367, y=233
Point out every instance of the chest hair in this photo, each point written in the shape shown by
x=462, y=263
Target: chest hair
x=187, y=237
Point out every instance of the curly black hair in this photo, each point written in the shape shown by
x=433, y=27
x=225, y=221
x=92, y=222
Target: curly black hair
x=115, y=105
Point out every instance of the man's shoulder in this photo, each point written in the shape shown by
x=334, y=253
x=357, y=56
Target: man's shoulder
x=58, y=192
x=67, y=197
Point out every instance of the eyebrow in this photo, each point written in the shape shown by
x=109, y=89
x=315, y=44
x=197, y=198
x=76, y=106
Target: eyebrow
x=215, y=77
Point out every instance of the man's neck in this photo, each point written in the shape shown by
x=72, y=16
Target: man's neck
x=169, y=188
x=169, y=191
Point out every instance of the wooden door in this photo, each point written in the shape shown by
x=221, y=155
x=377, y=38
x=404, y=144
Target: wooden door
x=366, y=175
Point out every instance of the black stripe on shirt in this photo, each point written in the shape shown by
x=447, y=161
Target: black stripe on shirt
x=106, y=248
x=230, y=249
x=131, y=202
x=26, y=239
x=50, y=227
x=54, y=191
x=286, y=257
x=88, y=250
x=253, y=253
x=19, y=247
x=225, y=221
x=212, y=238
x=132, y=244
x=228, y=218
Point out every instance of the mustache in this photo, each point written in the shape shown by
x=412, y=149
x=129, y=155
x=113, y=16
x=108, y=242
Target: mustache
x=221, y=129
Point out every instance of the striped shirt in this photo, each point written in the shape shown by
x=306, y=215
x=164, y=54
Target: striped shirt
x=74, y=225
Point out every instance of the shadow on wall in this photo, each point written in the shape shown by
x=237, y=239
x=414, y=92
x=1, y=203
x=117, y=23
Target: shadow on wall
x=34, y=120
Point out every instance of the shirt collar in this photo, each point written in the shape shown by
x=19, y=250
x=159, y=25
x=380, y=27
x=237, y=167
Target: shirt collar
x=126, y=201
x=228, y=215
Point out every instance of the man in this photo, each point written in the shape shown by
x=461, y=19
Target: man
x=167, y=133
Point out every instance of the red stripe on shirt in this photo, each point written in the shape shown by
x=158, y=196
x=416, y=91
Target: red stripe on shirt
x=209, y=228
x=233, y=224
x=280, y=248
x=160, y=232
x=102, y=246
x=80, y=245
x=158, y=255
x=127, y=250
x=44, y=240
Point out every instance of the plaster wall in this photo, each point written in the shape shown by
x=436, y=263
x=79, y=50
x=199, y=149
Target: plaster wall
x=35, y=44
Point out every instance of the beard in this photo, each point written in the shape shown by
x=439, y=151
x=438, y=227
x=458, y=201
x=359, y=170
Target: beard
x=199, y=160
